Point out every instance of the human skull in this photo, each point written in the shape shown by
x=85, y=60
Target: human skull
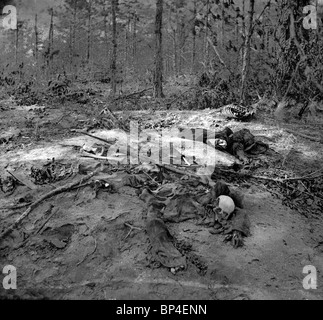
x=224, y=207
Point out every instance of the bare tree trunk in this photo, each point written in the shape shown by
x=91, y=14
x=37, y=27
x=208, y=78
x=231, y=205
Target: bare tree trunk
x=71, y=48
x=158, y=81
x=222, y=26
x=175, y=57
x=106, y=35
x=134, y=41
x=263, y=35
x=206, y=52
x=237, y=37
x=36, y=39
x=51, y=32
x=73, y=64
x=243, y=26
x=89, y=33
x=181, y=40
x=50, y=42
x=194, y=39
x=114, y=48
x=180, y=28
x=283, y=46
x=17, y=45
x=126, y=46
x=167, y=65
x=246, y=56
x=267, y=41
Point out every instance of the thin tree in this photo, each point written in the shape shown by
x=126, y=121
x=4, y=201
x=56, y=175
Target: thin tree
x=16, y=46
x=134, y=41
x=73, y=38
x=206, y=23
x=181, y=41
x=36, y=39
x=159, y=51
x=106, y=32
x=174, y=35
x=114, y=48
x=194, y=38
x=126, y=43
x=237, y=32
x=222, y=24
x=246, y=53
x=243, y=20
x=70, y=52
x=49, y=53
x=89, y=32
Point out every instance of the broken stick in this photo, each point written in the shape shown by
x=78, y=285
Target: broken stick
x=22, y=181
x=134, y=93
x=50, y=216
x=44, y=197
x=93, y=156
x=281, y=180
x=304, y=135
x=204, y=179
x=131, y=228
x=111, y=141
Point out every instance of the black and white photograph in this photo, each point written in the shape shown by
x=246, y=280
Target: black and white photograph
x=166, y=151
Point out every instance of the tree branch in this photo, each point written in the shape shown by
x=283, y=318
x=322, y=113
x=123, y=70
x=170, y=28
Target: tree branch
x=218, y=55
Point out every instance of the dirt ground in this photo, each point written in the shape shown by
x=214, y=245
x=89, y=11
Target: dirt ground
x=86, y=252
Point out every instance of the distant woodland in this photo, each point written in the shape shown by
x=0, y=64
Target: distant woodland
x=241, y=48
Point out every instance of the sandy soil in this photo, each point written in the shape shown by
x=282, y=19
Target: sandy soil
x=86, y=252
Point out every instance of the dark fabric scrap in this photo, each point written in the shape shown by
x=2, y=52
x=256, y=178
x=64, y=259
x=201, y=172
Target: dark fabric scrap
x=163, y=249
x=240, y=222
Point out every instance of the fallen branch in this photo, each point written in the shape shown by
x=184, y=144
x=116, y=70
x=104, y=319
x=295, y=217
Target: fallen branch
x=304, y=135
x=23, y=181
x=44, y=197
x=50, y=216
x=246, y=175
x=115, y=119
x=63, y=116
x=93, y=156
x=42, y=226
x=116, y=217
x=204, y=179
x=133, y=94
x=145, y=173
x=131, y=228
x=15, y=178
x=178, y=171
x=19, y=206
x=95, y=137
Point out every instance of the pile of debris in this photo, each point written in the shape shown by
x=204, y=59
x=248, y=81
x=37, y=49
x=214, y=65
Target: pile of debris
x=172, y=194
